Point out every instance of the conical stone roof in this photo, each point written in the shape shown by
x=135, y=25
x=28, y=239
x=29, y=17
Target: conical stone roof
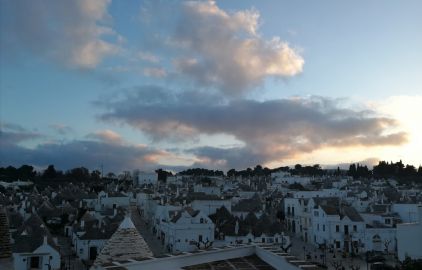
x=126, y=243
x=5, y=246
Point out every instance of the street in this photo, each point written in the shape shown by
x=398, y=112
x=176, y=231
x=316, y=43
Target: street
x=153, y=243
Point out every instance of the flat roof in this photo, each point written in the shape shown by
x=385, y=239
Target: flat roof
x=244, y=263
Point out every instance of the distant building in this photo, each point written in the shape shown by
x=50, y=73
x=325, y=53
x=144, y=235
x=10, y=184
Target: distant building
x=145, y=178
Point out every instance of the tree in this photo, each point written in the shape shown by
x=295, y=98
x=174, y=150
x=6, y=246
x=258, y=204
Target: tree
x=162, y=175
x=79, y=174
x=409, y=264
x=231, y=172
x=110, y=175
x=280, y=215
x=26, y=172
x=50, y=172
x=95, y=175
x=386, y=245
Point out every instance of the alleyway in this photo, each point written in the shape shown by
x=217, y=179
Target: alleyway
x=68, y=256
x=153, y=243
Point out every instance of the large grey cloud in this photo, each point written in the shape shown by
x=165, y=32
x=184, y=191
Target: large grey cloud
x=14, y=134
x=100, y=148
x=270, y=130
x=75, y=33
x=216, y=48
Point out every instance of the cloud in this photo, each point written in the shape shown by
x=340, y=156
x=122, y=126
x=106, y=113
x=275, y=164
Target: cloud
x=74, y=33
x=220, y=49
x=14, y=134
x=148, y=57
x=155, y=72
x=107, y=148
x=61, y=129
x=107, y=136
x=270, y=130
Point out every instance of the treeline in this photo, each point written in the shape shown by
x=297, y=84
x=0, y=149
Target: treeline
x=298, y=169
x=27, y=172
x=24, y=172
x=202, y=172
x=384, y=170
x=398, y=171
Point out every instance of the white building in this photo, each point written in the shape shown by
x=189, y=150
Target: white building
x=408, y=212
x=208, y=204
x=34, y=248
x=146, y=178
x=187, y=230
x=112, y=200
x=44, y=257
x=409, y=239
x=208, y=189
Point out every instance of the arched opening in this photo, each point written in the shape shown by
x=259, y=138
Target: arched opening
x=376, y=243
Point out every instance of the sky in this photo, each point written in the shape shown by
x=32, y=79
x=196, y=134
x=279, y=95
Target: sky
x=227, y=84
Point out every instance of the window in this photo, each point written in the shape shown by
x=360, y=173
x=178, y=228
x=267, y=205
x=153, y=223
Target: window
x=35, y=262
x=355, y=228
x=323, y=228
x=316, y=213
x=387, y=221
x=337, y=228
x=317, y=227
x=200, y=238
x=201, y=220
x=346, y=229
x=337, y=244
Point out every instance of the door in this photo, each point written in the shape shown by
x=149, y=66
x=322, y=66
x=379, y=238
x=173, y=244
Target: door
x=376, y=243
x=92, y=253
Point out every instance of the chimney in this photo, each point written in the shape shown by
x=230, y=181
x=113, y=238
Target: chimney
x=114, y=212
x=82, y=223
x=45, y=240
